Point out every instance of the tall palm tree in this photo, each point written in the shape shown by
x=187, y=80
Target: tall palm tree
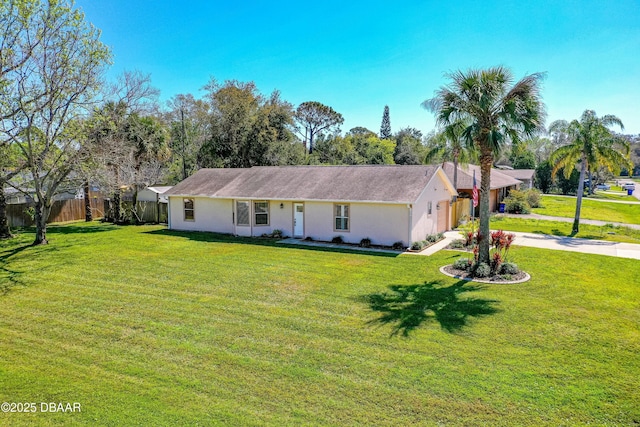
x=497, y=110
x=590, y=143
x=450, y=145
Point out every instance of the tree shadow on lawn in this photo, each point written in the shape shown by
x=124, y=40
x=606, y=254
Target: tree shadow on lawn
x=8, y=277
x=91, y=227
x=205, y=236
x=406, y=307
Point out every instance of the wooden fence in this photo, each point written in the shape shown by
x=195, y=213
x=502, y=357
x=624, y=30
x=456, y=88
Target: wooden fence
x=147, y=212
x=152, y=212
x=459, y=209
x=61, y=211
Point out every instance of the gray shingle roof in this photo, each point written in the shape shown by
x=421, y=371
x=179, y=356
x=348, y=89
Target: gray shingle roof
x=371, y=183
x=465, y=177
x=520, y=174
x=205, y=182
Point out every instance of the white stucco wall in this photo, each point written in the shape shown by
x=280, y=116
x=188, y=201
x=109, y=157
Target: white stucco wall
x=384, y=224
x=423, y=223
x=279, y=219
x=209, y=215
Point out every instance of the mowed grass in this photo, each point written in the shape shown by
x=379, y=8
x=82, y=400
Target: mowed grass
x=144, y=326
x=557, y=228
x=613, y=196
x=604, y=211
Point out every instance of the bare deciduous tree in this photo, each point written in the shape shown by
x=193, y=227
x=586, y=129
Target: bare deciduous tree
x=48, y=91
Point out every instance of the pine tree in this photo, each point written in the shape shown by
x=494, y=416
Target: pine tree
x=385, y=128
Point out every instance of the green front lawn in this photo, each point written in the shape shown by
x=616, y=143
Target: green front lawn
x=591, y=209
x=143, y=326
x=556, y=228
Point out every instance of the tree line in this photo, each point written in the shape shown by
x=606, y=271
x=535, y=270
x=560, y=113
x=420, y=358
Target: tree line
x=62, y=127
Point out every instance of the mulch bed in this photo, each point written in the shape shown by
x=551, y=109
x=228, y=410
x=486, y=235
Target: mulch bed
x=465, y=275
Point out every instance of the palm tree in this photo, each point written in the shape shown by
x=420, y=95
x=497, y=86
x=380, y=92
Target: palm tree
x=590, y=143
x=496, y=111
x=450, y=145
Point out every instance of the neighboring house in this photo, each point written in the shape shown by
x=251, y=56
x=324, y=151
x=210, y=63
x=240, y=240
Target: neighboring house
x=153, y=204
x=15, y=197
x=524, y=175
x=385, y=203
x=154, y=194
x=501, y=183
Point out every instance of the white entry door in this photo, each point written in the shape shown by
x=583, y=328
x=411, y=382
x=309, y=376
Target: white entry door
x=298, y=220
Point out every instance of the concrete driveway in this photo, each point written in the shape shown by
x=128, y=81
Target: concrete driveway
x=571, y=244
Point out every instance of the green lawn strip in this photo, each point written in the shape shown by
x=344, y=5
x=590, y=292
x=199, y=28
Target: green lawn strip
x=603, y=211
x=605, y=195
x=557, y=228
x=145, y=326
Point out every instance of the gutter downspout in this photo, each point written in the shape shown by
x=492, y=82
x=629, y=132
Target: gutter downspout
x=169, y=213
x=233, y=216
x=410, y=224
x=251, y=217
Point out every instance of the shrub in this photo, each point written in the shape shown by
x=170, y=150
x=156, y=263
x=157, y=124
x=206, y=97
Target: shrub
x=457, y=244
x=308, y=239
x=277, y=234
x=416, y=246
x=337, y=239
x=533, y=197
x=462, y=264
x=509, y=268
x=365, y=243
x=432, y=238
x=482, y=270
x=516, y=202
x=398, y=246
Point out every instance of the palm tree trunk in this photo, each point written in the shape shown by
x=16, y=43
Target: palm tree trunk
x=486, y=161
x=576, y=220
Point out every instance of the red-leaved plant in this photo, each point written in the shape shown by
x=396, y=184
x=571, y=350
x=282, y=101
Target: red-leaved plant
x=500, y=242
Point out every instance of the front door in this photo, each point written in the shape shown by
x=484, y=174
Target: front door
x=298, y=220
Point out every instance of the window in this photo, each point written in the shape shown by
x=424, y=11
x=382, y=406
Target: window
x=189, y=213
x=261, y=213
x=242, y=210
x=342, y=217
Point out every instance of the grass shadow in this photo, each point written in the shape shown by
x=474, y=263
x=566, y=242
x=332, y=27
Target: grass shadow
x=407, y=307
x=204, y=236
x=86, y=228
x=12, y=276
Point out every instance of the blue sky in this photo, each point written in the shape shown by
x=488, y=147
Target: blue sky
x=359, y=56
